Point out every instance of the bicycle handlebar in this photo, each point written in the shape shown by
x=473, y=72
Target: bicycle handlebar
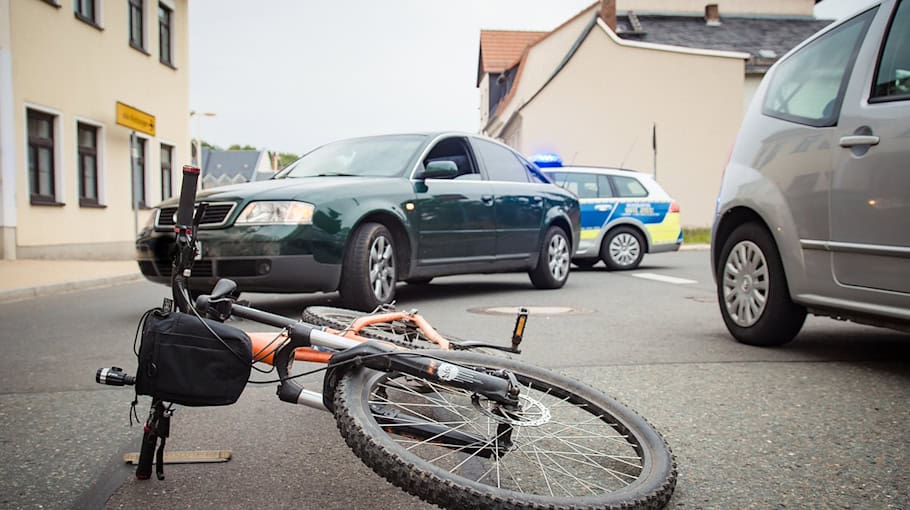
x=187, y=197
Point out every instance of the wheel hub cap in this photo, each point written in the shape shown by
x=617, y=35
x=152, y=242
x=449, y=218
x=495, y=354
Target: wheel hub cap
x=624, y=249
x=745, y=284
x=558, y=257
x=382, y=268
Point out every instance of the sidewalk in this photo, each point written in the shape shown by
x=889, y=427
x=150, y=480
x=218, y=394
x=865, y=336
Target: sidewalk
x=24, y=279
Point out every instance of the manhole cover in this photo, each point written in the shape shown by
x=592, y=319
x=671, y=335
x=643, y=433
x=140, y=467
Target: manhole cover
x=532, y=310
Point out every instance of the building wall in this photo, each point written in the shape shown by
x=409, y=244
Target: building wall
x=540, y=63
x=597, y=114
x=750, y=87
x=69, y=68
x=766, y=7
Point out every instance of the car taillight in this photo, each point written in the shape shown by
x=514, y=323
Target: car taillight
x=674, y=207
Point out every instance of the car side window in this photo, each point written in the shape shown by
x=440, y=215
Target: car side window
x=456, y=151
x=501, y=164
x=892, y=79
x=807, y=87
x=628, y=187
x=604, y=189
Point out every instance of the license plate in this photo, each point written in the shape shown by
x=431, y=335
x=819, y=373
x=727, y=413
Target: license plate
x=198, y=251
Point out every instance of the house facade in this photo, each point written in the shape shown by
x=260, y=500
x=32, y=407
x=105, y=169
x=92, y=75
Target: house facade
x=94, y=106
x=662, y=92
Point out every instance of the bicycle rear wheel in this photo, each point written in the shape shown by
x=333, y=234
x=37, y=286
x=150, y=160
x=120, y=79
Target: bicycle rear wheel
x=341, y=319
x=570, y=446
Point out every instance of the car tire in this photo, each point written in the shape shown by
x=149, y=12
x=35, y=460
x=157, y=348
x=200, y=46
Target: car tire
x=752, y=289
x=368, y=275
x=419, y=281
x=622, y=249
x=552, y=269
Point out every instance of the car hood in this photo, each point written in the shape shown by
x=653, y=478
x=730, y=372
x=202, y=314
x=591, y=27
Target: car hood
x=303, y=188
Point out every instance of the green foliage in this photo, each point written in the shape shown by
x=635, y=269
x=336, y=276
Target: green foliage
x=286, y=158
x=697, y=235
x=238, y=147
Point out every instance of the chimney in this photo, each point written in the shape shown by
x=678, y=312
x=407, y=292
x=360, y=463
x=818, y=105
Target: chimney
x=712, y=15
x=608, y=13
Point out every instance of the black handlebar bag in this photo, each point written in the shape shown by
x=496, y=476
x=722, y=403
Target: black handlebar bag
x=191, y=361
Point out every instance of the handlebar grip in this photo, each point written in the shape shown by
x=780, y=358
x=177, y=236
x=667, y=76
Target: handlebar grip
x=187, y=196
x=146, y=454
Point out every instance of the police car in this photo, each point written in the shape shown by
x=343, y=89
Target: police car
x=624, y=214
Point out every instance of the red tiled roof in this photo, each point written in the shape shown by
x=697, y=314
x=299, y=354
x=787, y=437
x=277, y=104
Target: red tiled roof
x=500, y=49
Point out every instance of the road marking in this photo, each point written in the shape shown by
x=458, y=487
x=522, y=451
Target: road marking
x=662, y=278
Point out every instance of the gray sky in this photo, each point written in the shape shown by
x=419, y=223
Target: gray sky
x=289, y=75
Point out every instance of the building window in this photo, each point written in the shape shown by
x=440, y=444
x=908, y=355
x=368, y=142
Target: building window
x=137, y=24
x=87, y=11
x=165, y=20
x=87, y=164
x=167, y=153
x=138, y=151
x=41, y=171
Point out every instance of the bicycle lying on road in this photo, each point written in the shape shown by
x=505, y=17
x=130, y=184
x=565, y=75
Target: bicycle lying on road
x=453, y=427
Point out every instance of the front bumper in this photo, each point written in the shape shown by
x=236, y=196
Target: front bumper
x=269, y=259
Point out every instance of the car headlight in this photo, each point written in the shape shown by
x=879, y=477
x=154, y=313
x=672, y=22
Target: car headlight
x=276, y=213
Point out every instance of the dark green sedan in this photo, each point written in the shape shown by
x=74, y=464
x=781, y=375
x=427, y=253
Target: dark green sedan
x=360, y=215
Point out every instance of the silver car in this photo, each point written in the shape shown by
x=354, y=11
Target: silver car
x=813, y=213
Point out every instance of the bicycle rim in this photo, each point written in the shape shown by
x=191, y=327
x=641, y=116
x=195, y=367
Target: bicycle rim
x=341, y=319
x=571, y=446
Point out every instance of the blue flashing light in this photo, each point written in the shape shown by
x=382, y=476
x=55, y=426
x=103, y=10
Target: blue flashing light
x=547, y=160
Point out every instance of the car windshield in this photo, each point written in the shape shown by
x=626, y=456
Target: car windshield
x=382, y=156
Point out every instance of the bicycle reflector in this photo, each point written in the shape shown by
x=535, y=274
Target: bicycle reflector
x=519, y=331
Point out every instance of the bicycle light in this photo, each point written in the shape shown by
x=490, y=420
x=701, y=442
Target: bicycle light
x=114, y=376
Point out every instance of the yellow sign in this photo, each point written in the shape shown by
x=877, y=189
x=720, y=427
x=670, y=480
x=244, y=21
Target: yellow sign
x=134, y=119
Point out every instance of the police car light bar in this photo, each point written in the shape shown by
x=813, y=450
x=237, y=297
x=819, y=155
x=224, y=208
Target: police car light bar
x=547, y=160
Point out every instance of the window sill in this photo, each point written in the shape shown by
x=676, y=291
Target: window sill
x=88, y=21
x=140, y=49
x=44, y=201
x=168, y=64
x=91, y=204
x=53, y=3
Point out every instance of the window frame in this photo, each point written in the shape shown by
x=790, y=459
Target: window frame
x=144, y=142
x=142, y=43
x=169, y=61
x=869, y=16
x=95, y=20
x=170, y=169
x=57, y=181
x=878, y=62
x=98, y=154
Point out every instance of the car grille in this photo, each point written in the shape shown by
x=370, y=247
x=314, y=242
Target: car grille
x=216, y=215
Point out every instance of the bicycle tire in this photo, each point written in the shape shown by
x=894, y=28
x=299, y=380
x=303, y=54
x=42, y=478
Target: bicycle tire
x=340, y=319
x=644, y=465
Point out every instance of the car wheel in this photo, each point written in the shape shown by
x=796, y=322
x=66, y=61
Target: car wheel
x=622, y=249
x=419, y=281
x=552, y=269
x=752, y=289
x=368, y=276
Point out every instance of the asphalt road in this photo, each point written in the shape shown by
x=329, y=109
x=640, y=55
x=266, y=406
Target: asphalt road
x=820, y=423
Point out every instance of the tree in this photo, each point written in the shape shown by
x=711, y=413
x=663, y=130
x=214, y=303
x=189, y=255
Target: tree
x=238, y=147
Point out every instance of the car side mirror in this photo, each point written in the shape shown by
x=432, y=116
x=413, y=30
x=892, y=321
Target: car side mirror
x=441, y=169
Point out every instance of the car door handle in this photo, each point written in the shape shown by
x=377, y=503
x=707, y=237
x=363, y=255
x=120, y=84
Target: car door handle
x=486, y=199
x=855, y=140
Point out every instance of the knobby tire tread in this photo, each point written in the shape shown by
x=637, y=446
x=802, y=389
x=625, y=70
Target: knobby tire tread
x=423, y=482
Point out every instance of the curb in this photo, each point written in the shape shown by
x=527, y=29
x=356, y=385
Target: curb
x=59, y=288
x=694, y=247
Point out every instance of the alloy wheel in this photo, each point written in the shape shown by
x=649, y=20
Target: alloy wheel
x=558, y=257
x=382, y=268
x=624, y=249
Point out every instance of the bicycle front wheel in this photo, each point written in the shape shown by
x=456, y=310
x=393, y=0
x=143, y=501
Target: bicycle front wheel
x=569, y=445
